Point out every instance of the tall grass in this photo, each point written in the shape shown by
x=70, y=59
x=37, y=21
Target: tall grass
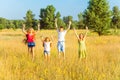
x=103, y=58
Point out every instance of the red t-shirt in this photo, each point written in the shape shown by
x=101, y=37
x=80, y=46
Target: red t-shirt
x=30, y=38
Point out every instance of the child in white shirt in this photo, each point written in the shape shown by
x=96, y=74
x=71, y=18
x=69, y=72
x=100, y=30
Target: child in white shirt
x=61, y=38
x=47, y=46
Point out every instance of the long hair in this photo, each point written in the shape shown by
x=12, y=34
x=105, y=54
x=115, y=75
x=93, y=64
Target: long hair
x=28, y=32
x=80, y=36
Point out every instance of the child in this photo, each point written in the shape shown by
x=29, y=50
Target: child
x=30, y=35
x=61, y=38
x=81, y=41
x=47, y=45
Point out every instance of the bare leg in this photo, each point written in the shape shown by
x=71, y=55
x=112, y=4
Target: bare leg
x=33, y=54
x=48, y=57
x=45, y=56
x=64, y=55
x=29, y=51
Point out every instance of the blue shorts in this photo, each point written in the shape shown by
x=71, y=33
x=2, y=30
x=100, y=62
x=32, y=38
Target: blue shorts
x=61, y=46
x=31, y=44
x=46, y=52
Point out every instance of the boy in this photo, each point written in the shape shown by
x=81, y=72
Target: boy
x=61, y=38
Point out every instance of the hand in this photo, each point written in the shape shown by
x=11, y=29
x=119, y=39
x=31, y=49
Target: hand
x=73, y=28
x=38, y=24
x=55, y=20
x=70, y=22
x=42, y=38
x=86, y=28
x=23, y=25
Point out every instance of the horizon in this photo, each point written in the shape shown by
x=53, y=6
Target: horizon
x=16, y=10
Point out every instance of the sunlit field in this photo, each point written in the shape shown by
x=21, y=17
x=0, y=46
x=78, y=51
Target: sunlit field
x=103, y=58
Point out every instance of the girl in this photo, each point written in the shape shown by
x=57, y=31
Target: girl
x=30, y=35
x=47, y=45
x=81, y=41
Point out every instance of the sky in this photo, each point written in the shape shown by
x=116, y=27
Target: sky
x=16, y=9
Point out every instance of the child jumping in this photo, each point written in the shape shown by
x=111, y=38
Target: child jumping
x=47, y=43
x=81, y=41
x=30, y=35
x=61, y=38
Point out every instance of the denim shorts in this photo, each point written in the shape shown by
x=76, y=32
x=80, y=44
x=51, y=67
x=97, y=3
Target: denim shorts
x=31, y=44
x=46, y=52
x=61, y=46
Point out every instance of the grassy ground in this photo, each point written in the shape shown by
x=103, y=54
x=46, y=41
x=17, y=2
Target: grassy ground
x=103, y=58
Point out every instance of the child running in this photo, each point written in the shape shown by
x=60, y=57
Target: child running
x=30, y=35
x=61, y=38
x=81, y=41
x=47, y=43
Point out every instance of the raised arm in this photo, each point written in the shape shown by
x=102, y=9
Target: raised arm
x=42, y=38
x=69, y=25
x=38, y=27
x=56, y=23
x=52, y=39
x=76, y=34
x=86, y=32
x=23, y=29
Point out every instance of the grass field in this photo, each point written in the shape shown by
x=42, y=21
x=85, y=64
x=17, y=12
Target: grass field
x=103, y=58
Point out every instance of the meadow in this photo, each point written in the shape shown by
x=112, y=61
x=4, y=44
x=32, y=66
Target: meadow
x=103, y=58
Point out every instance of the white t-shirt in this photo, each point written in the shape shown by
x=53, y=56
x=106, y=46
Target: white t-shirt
x=47, y=46
x=61, y=35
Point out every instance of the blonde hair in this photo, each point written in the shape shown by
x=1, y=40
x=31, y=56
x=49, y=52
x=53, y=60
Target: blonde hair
x=31, y=29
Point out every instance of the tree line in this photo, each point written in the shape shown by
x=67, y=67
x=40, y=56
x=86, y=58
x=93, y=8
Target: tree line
x=98, y=17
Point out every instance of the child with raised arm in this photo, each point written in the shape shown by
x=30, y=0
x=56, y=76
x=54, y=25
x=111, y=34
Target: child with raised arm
x=81, y=41
x=47, y=43
x=30, y=36
x=61, y=38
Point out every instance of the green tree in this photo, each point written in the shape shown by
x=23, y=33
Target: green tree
x=3, y=23
x=81, y=24
x=47, y=16
x=98, y=16
x=60, y=21
x=116, y=18
x=18, y=23
x=30, y=21
x=66, y=19
x=10, y=24
x=1, y=26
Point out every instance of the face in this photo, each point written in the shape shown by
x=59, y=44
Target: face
x=61, y=29
x=47, y=40
x=81, y=36
x=30, y=30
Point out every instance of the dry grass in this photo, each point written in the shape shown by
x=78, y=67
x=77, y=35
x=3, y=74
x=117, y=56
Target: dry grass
x=103, y=58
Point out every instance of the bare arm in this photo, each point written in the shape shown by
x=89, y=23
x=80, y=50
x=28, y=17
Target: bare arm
x=23, y=29
x=42, y=38
x=69, y=25
x=56, y=23
x=38, y=27
x=86, y=32
x=52, y=39
x=76, y=34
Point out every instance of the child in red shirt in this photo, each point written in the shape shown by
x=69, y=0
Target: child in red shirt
x=30, y=35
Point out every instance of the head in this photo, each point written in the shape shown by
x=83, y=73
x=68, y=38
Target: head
x=47, y=39
x=81, y=36
x=30, y=30
x=61, y=28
